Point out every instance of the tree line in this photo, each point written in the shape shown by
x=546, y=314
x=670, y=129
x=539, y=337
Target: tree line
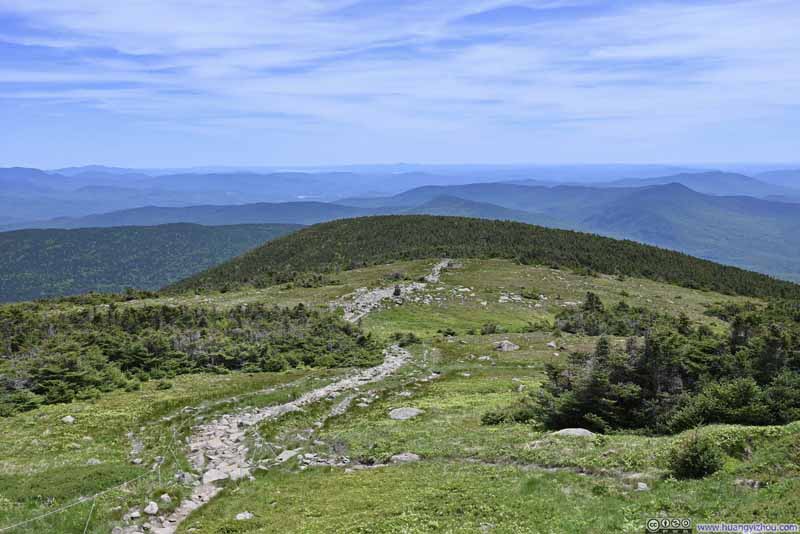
x=50, y=356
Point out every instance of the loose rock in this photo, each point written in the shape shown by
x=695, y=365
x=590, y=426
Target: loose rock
x=287, y=455
x=212, y=475
x=506, y=346
x=404, y=457
x=401, y=414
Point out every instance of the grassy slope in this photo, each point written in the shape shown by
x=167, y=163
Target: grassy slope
x=43, y=263
x=471, y=475
x=509, y=478
x=45, y=463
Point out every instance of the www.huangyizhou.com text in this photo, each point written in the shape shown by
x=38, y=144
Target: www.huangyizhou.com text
x=746, y=528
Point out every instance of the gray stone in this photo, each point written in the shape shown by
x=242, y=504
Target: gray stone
x=68, y=419
x=184, y=478
x=212, y=475
x=165, y=498
x=748, y=483
x=287, y=455
x=93, y=461
x=238, y=473
x=575, y=433
x=506, y=346
x=401, y=414
x=405, y=457
x=151, y=508
x=244, y=516
x=641, y=486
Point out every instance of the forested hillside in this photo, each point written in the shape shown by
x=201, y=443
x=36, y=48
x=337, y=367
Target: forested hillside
x=372, y=240
x=751, y=233
x=45, y=263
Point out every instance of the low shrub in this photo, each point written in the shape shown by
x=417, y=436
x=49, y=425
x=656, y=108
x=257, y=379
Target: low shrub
x=695, y=457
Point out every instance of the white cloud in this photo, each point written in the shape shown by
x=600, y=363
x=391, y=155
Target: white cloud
x=658, y=68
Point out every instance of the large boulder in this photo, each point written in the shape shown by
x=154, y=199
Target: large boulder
x=575, y=433
x=401, y=414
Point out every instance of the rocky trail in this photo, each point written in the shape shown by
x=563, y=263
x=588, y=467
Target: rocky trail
x=219, y=450
x=364, y=300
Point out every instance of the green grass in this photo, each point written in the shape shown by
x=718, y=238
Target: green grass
x=45, y=463
x=284, y=295
x=515, y=478
x=487, y=280
x=471, y=476
x=439, y=496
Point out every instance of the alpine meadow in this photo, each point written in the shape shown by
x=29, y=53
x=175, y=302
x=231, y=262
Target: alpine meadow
x=371, y=267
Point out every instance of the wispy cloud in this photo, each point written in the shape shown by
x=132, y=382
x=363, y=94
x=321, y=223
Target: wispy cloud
x=381, y=80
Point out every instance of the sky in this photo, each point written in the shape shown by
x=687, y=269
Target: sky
x=149, y=83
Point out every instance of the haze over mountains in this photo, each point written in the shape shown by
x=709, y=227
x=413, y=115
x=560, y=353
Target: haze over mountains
x=751, y=222
x=29, y=196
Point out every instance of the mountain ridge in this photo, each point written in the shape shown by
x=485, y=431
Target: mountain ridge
x=366, y=241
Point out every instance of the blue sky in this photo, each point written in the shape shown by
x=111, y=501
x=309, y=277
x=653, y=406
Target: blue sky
x=151, y=83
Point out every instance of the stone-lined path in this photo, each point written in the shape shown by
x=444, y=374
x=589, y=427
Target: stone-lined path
x=218, y=449
x=359, y=304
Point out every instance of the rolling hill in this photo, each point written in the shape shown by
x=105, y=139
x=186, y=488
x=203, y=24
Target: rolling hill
x=374, y=240
x=752, y=233
x=45, y=263
x=748, y=232
x=455, y=206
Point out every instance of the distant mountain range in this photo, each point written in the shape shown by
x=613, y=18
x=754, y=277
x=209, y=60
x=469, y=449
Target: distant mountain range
x=750, y=222
x=46, y=263
x=716, y=183
x=711, y=183
x=260, y=212
x=786, y=178
x=28, y=195
x=757, y=234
